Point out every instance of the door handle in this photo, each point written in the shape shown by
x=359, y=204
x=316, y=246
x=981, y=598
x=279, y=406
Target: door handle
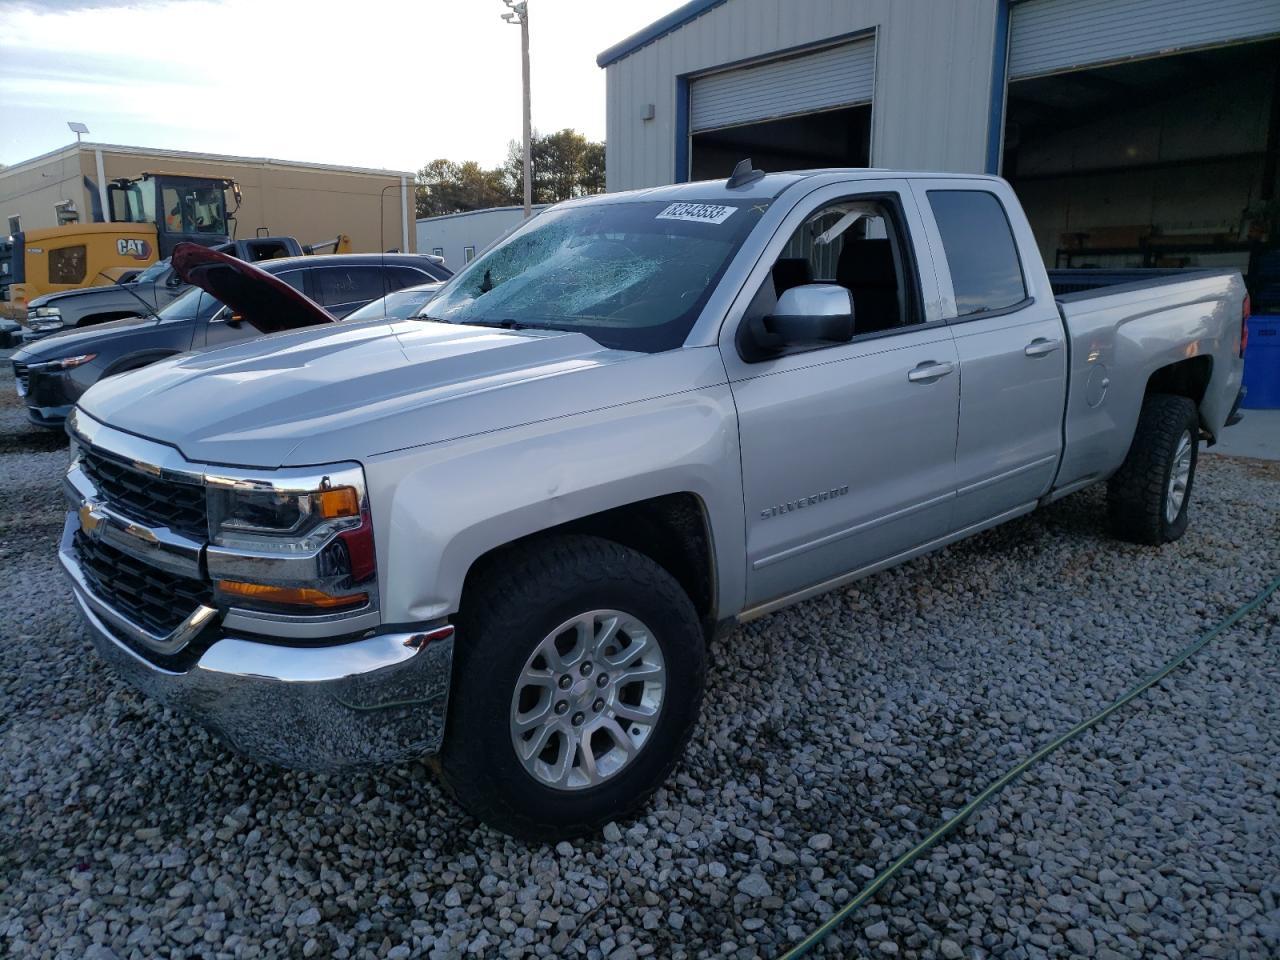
x=1042, y=347
x=929, y=371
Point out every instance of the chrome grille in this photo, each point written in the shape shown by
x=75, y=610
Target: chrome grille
x=148, y=499
x=153, y=599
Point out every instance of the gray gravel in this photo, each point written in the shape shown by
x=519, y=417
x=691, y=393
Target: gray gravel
x=834, y=735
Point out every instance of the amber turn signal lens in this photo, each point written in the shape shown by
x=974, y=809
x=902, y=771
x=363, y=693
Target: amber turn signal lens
x=337, y=502
x=290, y=596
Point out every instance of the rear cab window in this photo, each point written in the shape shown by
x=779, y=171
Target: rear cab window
x=986, y=271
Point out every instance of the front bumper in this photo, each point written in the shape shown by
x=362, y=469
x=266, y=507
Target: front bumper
x=55, y=418
x=50, y=397
x=377, y=699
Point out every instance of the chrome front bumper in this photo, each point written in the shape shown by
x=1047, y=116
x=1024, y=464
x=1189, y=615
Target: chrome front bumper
x=378, y=699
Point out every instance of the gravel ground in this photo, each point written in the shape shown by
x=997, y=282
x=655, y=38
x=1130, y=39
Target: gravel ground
x=834, y=735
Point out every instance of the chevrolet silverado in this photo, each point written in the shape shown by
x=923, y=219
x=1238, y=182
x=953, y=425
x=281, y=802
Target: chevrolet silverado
x=503, y=533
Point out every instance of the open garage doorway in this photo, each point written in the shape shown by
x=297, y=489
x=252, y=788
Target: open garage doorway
x=1169, y=161
x=832, y=138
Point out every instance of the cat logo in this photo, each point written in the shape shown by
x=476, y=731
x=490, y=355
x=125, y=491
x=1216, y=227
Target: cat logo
x=138, y=249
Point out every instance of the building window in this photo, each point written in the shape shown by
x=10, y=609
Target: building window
x=67, y=264
x=437, y=251
x=15, y=225
x=65, y=212
x=468, y=254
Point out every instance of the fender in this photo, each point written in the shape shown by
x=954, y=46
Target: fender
x=452, y=503
x=1132, y=337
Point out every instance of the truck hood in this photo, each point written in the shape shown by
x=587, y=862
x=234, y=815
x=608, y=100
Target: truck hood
x=352, y=391
x=68, y=343
x=144, y=290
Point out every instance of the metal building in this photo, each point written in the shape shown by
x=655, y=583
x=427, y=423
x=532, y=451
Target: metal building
x=459, y=237
x=1137, y=132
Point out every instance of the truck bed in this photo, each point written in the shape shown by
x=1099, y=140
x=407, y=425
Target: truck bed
x=1084, y=283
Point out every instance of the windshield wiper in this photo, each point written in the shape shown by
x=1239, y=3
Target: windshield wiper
x=507, y=324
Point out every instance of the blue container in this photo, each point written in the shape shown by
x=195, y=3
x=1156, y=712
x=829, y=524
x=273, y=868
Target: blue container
x=1262, y=364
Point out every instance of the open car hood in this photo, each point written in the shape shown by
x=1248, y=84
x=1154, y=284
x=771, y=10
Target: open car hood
x=266, y=302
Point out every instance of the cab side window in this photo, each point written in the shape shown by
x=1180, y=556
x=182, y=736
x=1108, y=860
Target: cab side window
x=986, y=273
x=856, y=243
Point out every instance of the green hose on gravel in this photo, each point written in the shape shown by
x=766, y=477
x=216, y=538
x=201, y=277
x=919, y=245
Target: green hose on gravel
x=867, y=892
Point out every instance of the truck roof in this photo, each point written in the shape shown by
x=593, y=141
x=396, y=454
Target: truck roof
x=770, y=185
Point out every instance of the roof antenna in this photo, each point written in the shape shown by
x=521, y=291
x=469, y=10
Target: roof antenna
x=743, y=175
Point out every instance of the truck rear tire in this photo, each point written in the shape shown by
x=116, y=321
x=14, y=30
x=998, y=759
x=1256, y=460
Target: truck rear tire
x=1149, y=496
x=579, y=668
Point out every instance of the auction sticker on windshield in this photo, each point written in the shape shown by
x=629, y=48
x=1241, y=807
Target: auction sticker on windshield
x=697, y=212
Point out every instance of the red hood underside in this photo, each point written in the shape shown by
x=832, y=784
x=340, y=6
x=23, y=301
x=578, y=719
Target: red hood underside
x=259, y=298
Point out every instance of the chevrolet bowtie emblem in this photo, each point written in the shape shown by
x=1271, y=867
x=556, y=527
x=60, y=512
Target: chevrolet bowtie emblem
x=142, y=533
x=90, y=519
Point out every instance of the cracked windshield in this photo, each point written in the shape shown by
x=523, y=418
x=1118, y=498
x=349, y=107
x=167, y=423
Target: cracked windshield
x=632, y=276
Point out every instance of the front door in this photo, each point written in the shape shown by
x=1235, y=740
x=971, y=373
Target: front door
x=1013, y=354
x=848, y=450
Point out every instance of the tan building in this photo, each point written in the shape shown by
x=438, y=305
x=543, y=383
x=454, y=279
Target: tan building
x=311, y=201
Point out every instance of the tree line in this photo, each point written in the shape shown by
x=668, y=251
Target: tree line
x=565, y=164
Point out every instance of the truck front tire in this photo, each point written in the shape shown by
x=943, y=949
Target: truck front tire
x=579, y=669
x=1149, y=496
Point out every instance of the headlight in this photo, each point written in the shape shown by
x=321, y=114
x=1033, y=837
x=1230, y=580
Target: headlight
x=300, y=546
x=66, y=363
x=289, y=520
x=45, y=318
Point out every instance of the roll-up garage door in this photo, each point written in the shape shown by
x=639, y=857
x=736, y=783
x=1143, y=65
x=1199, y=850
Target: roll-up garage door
x=1050, y=36
x=834, y=77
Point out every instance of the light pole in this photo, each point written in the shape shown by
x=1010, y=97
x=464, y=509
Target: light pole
x=77, y=128
x=519, y=13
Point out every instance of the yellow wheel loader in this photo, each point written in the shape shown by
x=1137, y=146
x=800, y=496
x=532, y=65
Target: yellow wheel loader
x=147, y=217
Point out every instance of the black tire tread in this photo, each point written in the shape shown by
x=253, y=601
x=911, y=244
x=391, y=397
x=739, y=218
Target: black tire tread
x=1136, y=492
x=518, y=580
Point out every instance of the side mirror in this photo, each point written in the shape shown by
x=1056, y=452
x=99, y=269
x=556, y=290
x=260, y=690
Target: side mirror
x=811, y=314
x=234, y=320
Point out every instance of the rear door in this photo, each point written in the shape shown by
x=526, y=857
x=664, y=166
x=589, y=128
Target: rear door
x=1010, y=341
x=848, y=450
x=341, y=289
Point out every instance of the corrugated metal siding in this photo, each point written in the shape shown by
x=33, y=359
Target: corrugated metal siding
x=1049, y=36
x=833, y=77
x=932, y=84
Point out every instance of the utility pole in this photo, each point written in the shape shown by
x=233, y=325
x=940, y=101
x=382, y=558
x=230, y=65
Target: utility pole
x=519, y=13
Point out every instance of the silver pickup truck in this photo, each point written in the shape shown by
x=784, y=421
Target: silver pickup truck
x=504, y=533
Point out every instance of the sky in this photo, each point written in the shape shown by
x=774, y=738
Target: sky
x=376, y=83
